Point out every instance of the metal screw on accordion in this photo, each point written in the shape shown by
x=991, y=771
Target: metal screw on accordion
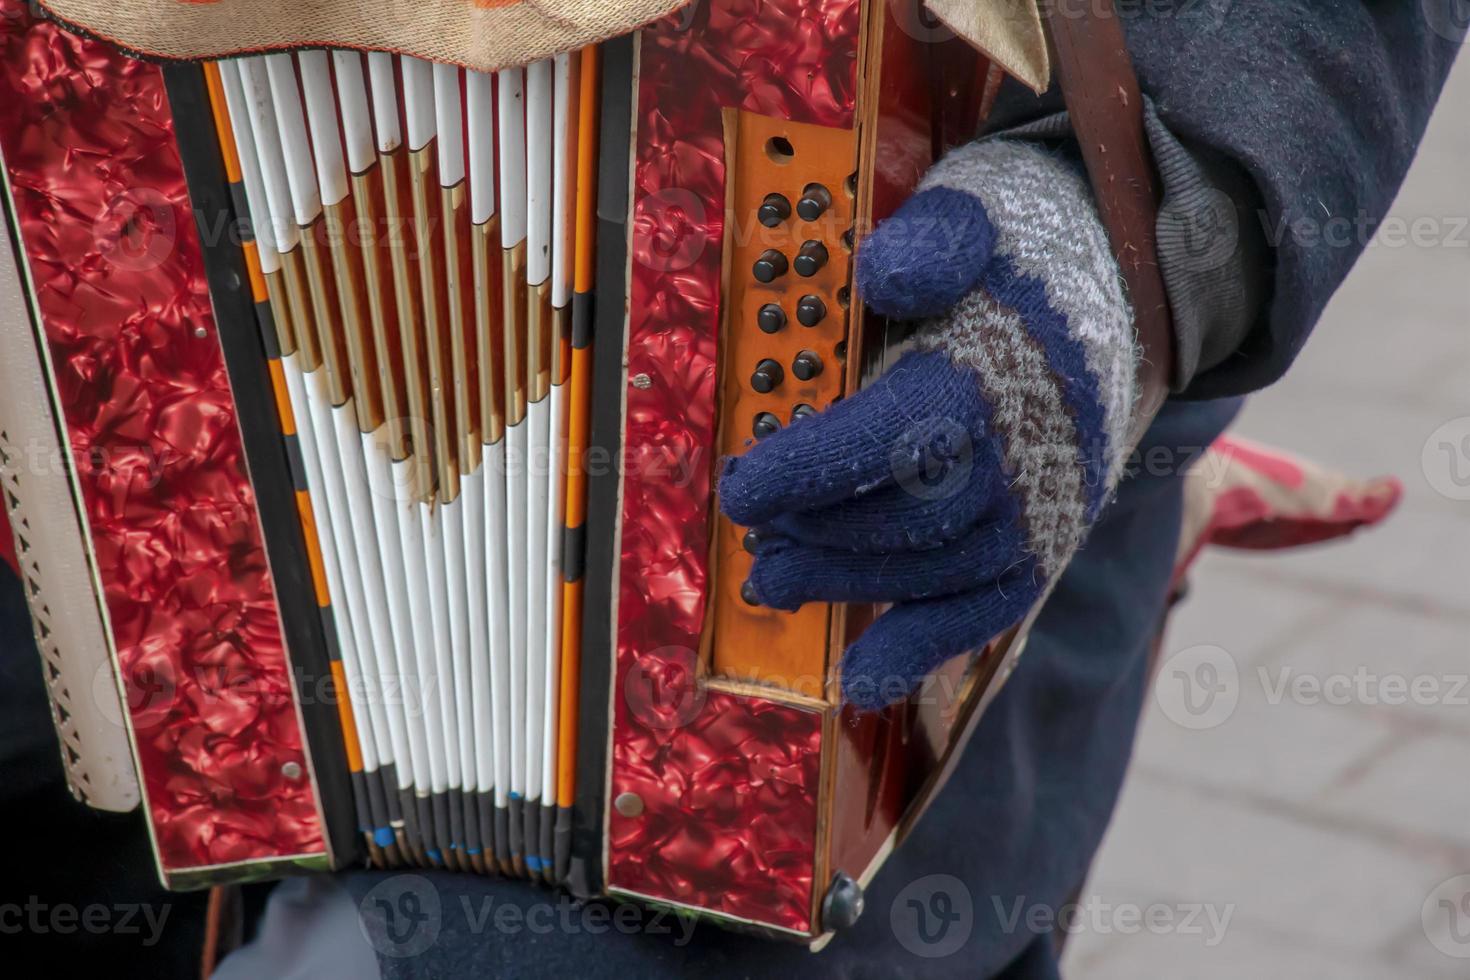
x=765, y=424
x=629, y=804
x=771, y=318
x=842, y=906
x=773, y=210
x=201, y=332
x=810, y=310
x=802, y=411
x=767, y=376
x=291, y=770
x=642, y=382
x=815, y=199
x=810, y=259
x=770, y=266
x=807, y=365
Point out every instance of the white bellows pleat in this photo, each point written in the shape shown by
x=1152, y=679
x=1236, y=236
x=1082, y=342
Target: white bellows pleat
x=539, y=113
x=445, y=606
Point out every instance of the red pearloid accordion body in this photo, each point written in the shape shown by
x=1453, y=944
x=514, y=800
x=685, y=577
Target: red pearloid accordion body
x=690, y=196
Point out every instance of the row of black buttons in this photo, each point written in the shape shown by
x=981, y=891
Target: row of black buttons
x=809, y=312
x=769, y=374
x=776, y=208
x=767, y=423
x=772, y=263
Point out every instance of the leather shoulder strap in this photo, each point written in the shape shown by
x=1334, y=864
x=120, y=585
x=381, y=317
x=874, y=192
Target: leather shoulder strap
x=1103, y=101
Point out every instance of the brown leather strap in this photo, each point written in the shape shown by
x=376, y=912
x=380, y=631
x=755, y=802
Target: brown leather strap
x=1103, y=101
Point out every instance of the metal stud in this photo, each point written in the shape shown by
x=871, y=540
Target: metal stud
x=291, y=771
x=842, y=906
x=628, y=804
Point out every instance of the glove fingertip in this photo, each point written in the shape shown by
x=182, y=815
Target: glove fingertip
x=876, y=673
x=927, y=256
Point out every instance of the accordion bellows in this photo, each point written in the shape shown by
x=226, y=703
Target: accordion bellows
x=305, y=323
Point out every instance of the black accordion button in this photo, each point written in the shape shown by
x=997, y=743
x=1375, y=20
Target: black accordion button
x=747, y=592
x=771, y=318
x=810, y=310
x=770, y=266
x=810, y=259
x=751, y=541
x=767, y=376
x=815, y=200
x=806, y=366
x=765, y=424
x=774, y=210
x=802, y=411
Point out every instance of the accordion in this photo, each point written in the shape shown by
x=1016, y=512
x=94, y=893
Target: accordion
x=358, y=424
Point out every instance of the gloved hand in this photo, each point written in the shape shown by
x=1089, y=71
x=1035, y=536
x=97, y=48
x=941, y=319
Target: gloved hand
x=962, y=480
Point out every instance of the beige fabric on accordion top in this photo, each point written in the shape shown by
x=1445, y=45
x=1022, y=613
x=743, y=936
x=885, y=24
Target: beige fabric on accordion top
x=483, y=34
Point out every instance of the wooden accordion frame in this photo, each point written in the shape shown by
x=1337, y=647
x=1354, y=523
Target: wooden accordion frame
x=281, y=446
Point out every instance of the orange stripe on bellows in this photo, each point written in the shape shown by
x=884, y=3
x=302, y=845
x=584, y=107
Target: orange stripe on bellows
x=580, y=388
x=344, y=711
x=222, y=121
x=313, y=549
x=283, y=397
x=586, y=170
x=257, y=277
x=571, y=680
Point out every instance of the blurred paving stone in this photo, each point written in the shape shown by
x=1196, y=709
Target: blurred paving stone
x=1322, y=887
x=1247, y=951
x=1430, y=652
x=1422, y=787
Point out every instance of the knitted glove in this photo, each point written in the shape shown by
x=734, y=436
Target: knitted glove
x=960, y=482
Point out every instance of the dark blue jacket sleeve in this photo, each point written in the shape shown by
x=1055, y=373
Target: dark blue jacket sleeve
x=1318, y=107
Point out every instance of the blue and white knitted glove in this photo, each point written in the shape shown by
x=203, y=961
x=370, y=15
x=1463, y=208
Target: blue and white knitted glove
x=960, y=482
